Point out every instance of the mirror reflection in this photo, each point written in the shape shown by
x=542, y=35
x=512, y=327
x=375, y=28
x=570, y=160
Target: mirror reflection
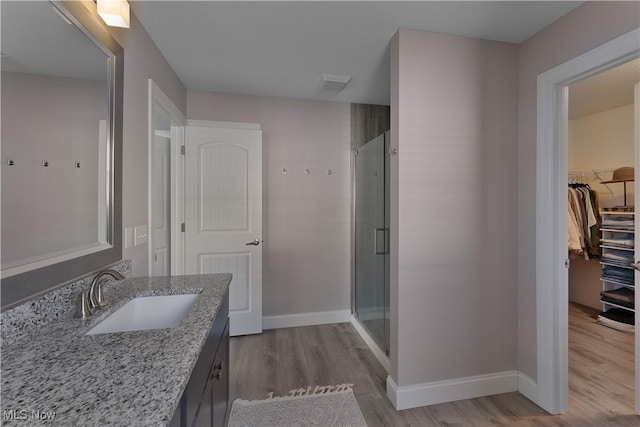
x=55, y=139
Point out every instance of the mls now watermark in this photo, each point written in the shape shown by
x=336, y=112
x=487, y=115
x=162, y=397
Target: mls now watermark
x=24, y=415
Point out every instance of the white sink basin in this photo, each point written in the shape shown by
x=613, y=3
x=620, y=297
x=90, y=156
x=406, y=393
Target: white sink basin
x=147, y=313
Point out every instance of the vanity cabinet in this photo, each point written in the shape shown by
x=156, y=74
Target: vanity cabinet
x=205, y=399
x=213, y=406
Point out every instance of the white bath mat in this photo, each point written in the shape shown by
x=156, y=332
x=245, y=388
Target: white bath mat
x=321, y=406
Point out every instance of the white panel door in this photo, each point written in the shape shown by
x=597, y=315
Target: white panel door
x=161, y=187
x=223, y=210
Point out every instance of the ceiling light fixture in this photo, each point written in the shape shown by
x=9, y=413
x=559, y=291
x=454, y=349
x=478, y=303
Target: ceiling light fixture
x=333, y=82
x=115, y=13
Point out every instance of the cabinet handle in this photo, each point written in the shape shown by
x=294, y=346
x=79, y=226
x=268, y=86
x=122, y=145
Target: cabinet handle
x=216, y=374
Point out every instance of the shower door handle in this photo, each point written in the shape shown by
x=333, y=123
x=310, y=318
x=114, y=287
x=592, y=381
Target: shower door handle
x=376, y=239
x=387, y=242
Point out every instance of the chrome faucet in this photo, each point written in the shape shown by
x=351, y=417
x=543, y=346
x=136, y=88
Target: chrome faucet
x=94, y=300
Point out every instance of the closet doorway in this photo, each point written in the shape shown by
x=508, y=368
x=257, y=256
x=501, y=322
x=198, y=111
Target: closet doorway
x=551, y=387
x=601, y=240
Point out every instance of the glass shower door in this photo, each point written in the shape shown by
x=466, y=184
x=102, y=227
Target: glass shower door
x=371, y=241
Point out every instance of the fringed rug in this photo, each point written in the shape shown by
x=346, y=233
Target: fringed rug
x=322, y=406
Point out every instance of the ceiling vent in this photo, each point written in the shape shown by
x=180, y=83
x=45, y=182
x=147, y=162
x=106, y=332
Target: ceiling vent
x=333, y=82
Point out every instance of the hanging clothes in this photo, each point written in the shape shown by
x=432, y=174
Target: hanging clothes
x=574, y=234
x=584, y=221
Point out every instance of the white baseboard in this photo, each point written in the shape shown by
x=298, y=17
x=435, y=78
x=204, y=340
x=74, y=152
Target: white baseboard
x=372, y=344
x=306, y=319
x=528, y=387
x=435, y=392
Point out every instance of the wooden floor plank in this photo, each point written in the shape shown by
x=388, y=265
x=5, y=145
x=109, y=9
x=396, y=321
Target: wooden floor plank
x=601, y=380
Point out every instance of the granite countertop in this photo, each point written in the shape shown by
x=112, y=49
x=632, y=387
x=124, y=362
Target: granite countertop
x=119, y=379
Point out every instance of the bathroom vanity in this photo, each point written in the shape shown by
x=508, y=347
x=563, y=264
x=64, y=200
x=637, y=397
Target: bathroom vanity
x=174, y=376
x=205, y=399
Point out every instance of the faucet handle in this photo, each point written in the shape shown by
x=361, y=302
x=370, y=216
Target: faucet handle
x=100, y=299
x=84, y=306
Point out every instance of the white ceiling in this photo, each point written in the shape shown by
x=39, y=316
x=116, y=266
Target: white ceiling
x=605, y=91
x=282, y=48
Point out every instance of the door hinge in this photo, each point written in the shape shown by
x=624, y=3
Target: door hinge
x=567, y=263
x=182, y=150
x=183, y=227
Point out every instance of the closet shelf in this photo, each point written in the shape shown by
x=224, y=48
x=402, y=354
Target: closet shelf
x=616, y=213
x=616, y=265
x=617, y=248
x=606, y=303
x=616, y=287
x=616, y=282
x=617, y=230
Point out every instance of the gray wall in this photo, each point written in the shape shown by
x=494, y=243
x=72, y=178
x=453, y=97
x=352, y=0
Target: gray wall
x=45, y=210
x=142, y=60
x=453, y=277
x=306, y=230
x=583, y=29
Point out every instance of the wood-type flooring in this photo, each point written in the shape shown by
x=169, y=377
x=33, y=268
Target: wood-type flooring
x=601, y=377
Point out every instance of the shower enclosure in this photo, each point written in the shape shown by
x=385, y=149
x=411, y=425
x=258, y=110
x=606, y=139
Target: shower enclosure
x=371, y=300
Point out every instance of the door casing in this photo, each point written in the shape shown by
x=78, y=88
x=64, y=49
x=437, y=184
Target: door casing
x=552, y=389
x=158, y=99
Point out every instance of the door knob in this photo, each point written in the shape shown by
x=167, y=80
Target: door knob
x=255, y=242
x=636, y=265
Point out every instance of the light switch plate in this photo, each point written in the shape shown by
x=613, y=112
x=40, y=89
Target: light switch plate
x=141, y=235
x=128, y=237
